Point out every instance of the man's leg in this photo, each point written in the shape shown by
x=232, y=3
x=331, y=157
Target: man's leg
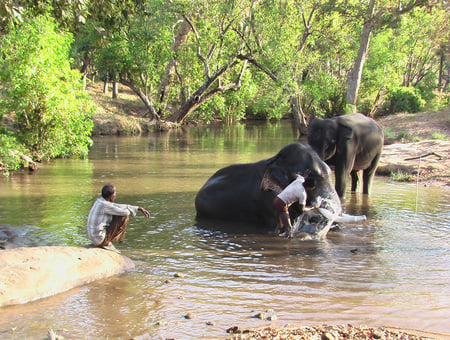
x=119, y=227
x=284, y=222
x=116, y=230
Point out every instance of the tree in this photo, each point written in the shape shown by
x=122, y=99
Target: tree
x=176, y=57
x=298, y=45
x=387, y=13
x=51, y=111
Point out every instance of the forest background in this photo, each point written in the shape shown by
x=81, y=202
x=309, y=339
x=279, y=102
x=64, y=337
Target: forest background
x=198, y=61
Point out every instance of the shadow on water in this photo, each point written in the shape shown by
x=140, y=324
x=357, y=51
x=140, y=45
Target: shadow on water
x=230, y=227
x=356, y=203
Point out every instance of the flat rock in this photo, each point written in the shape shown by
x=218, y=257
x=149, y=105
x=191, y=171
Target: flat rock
x=31, y=273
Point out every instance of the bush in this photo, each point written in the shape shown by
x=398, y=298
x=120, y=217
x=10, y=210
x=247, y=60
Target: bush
x=405, y=99
x=52, y=113
x=10, y=153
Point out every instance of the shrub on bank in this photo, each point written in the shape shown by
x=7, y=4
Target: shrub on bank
x=51, y=113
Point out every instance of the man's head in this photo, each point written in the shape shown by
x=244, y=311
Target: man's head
x=109, y=192
x=310, y=182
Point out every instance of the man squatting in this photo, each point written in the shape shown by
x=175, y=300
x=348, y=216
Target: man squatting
x=107, y=221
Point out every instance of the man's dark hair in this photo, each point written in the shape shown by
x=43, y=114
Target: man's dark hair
x=310, y=182
x=108, y=190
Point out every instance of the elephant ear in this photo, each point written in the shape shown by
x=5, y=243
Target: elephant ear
x=346, y=131
x=270, y=183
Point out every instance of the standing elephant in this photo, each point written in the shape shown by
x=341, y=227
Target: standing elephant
x=245, y=192
x=350, y=143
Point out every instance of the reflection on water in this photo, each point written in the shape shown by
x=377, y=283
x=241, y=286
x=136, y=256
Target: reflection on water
x=392, y=269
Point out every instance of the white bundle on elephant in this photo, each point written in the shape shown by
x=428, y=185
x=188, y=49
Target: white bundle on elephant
x=318, y=222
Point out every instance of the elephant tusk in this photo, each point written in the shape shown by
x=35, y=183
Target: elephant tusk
x=343, y=218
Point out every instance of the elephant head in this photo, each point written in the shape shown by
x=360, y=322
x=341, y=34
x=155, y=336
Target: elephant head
x=325, y=136
x=299, y=158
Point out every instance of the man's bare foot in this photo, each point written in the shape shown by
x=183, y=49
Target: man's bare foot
x=111, y=247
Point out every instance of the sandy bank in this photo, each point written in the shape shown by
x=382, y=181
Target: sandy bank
x=428, y=159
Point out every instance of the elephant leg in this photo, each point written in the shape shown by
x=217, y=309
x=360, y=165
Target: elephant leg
x=355, y=179
x=340, y=180
x=369, y=173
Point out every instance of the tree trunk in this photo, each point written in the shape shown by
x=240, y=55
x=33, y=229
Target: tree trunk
x=189, y=106
x=298, y=115
x=441, y=66
x=144, y=98
x=180, y=39
x=115, y=91
x=84, y=68
x=354, y=76
x=205, y=92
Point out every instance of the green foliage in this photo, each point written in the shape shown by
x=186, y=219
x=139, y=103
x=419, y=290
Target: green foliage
x=10, y=152
x=439, y=135
x=269, y=103
x=52, y=113
x=402, y=176
x=295, y=49
x=404, y=99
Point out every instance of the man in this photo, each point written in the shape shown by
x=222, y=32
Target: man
x=107, y=221
x=294, y=192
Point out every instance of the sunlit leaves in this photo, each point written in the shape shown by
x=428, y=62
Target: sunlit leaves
x=43, y=92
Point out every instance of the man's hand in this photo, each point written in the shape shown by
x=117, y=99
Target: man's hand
x=145, y=212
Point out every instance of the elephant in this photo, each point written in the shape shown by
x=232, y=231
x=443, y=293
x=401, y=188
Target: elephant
x=245, y=192
x=349, y=143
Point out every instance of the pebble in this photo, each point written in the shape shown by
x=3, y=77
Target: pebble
x=189, y=316
x=261, y=316
x=328, y=336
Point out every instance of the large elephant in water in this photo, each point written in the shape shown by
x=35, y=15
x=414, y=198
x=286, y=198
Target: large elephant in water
x=350, y=143
x=245, y=192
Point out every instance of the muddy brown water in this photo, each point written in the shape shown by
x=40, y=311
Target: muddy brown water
x=391, y=270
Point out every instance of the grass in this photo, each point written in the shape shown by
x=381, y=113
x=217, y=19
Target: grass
x=401, y=176
x=439, y=136
x=402, y=136
x=123, y=116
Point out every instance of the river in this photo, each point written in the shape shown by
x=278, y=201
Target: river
x=391, y=270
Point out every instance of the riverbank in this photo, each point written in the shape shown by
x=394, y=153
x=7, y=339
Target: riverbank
x=417, y=148
x=331, y=332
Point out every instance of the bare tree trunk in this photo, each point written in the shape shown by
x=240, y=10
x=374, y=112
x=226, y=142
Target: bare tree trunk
x=115, y=91
x=298, y=115
x=144, y=98
x=180, y=39
x=205, y=92
x=84, y=68
x=441, y=66
x=354, y=77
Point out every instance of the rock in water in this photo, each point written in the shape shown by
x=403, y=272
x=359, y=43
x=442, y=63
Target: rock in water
x=31, y=273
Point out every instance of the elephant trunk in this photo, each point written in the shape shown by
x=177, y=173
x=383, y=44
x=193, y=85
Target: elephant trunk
x=326, y=195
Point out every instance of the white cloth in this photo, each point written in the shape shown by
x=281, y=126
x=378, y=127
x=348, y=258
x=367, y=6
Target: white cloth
x=101, y=215
x=294, y=192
